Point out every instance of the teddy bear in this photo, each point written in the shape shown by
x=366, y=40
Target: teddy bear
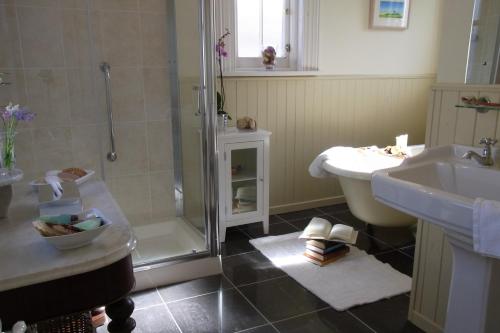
x=246, y=123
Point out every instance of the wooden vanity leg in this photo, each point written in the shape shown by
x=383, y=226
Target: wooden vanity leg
x=119, y=312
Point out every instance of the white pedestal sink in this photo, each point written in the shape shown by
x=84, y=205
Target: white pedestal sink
x=440, y=187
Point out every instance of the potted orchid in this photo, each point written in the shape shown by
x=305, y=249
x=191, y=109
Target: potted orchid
x=11, y=116
x=221, y=96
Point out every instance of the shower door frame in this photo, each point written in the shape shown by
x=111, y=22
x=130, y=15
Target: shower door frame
x=208, y=143
x=208, y=106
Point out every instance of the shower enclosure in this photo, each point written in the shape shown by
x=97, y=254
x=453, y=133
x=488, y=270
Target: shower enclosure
x=125, y=88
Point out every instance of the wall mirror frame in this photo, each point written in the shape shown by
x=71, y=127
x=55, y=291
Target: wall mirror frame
x=483, y=64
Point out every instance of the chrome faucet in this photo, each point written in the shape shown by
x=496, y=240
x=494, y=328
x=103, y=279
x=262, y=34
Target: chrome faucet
x=485, y=158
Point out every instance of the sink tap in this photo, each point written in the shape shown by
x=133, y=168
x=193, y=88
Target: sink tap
x=485, y=158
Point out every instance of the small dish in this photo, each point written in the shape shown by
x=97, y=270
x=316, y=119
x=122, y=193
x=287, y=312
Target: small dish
x=41, y=181
x=82, y=238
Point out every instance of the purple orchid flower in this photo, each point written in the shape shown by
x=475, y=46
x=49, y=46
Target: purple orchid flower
x=16, y=113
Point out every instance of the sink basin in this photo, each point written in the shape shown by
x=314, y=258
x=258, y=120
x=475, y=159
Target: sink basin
x=454, y=178
x=440, y=188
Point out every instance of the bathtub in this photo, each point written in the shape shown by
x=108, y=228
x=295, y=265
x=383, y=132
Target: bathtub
x=354, y=168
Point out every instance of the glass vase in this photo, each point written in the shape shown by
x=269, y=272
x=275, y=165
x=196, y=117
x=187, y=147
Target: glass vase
x=222, y=120
x=8, y=152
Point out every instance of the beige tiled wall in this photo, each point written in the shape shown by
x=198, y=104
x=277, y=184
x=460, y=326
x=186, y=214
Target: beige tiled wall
x=52, y=50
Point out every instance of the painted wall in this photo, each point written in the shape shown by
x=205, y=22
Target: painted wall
x=374, y=85
x=348, y=46
x=309, y=115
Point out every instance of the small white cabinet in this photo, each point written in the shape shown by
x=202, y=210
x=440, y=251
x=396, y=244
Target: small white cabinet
x=243, y=178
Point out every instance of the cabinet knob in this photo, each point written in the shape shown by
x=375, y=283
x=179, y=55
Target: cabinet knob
x=261, y=179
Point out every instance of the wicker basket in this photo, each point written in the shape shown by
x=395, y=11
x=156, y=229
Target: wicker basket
x=75, y=323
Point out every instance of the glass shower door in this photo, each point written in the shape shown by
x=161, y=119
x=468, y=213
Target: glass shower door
x=188, y=91
x=157, y=80
x=188, y=162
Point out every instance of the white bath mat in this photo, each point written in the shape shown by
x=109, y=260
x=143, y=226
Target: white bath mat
x=356, y=279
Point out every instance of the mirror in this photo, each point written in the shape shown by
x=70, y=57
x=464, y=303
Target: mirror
x=483, y=62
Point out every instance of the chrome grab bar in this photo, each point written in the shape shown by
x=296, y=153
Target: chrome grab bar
x=106, y=69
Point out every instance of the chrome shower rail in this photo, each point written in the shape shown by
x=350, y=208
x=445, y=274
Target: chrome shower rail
x=106, y=69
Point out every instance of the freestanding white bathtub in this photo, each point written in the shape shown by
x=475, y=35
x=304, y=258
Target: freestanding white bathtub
x=354, y=168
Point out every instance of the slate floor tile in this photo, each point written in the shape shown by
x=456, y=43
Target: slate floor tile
x=225, y=311
x=397, y=237
x=155, y=319
x=301, y=214
x=249, y=268
x=147, y=298
x=398, y=261
x=324, y=321
x=275, y=219
x=371, y=245
x=260, y=329
x=192, y=288
x=409, y=251
x=332, y=209
x=301, y=224
x=236, y=243
x=282, y=298
x=346, y=217
x=388, y=316
x=274, y=230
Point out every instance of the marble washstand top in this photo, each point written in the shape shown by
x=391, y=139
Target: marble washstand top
x=27, y=259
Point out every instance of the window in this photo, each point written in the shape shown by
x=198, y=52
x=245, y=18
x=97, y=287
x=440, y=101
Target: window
x=257, y=24
x=261, y=23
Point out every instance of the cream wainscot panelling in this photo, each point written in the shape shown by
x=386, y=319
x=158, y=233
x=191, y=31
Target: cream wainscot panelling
x=446, y=124
x=310, y=114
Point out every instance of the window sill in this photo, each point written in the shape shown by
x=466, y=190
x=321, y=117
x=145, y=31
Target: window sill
x=272, y=73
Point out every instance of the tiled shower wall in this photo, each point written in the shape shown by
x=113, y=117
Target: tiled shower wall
x=51, y=50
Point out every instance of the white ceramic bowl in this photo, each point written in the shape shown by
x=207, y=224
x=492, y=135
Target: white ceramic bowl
x=81, y=238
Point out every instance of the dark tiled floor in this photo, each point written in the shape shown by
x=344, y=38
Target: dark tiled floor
x=254, y=296
x=282, y=298
x=226, y=311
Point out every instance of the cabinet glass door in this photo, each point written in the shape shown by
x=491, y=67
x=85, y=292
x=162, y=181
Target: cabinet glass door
x=245, y=175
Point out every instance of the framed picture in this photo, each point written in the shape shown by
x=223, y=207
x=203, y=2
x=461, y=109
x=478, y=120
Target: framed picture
x=389, y=14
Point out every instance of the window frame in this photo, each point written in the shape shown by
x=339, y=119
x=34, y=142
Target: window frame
x=303, y=37
x=252, y=63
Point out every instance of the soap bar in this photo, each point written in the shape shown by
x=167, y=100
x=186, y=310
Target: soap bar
x=57, y=219
x=88, y=224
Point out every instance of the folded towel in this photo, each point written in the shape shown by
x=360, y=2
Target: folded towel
x=88, y=224
x=486, y=227
x=246, y=193
x=316, y=168
x=55, y=184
